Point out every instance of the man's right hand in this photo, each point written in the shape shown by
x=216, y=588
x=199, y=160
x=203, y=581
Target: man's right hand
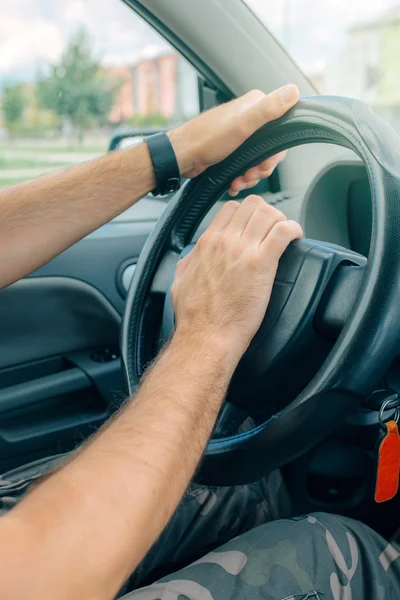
x=222, y=288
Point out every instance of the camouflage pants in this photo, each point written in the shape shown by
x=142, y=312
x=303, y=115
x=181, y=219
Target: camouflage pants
x=319, y=557
x=241, y=551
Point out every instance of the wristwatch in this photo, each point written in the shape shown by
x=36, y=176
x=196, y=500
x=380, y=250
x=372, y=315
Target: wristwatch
x=166, y=169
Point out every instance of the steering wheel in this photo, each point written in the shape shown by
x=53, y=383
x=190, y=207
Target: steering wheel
x=332, y=326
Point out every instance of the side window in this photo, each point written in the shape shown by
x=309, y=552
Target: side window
x=76, y=75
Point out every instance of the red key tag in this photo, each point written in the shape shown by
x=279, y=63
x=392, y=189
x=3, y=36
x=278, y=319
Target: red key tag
x=387, y=479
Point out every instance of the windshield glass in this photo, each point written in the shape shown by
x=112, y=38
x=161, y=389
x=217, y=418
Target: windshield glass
x=345, y=48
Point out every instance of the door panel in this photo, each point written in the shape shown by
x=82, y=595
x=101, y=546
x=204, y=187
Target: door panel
x=50, y=316
x=97, y=258
x=60, y=372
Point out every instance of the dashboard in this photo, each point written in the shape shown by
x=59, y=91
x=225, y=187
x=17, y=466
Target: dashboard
x=337, y=207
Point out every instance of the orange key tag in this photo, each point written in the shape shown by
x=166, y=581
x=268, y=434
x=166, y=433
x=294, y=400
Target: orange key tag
x=387, y=479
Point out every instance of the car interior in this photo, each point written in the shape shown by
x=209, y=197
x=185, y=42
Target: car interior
x=65, y=362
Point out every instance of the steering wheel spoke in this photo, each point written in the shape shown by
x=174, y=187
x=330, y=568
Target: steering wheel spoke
x=338, y=299
x=162, y=279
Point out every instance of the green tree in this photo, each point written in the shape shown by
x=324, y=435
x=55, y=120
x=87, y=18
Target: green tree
x=76, y=88
x=13, y=103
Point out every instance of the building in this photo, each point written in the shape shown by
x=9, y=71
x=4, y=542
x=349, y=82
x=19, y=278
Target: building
x=165, y=85
x=368, y=66
x=123, y=107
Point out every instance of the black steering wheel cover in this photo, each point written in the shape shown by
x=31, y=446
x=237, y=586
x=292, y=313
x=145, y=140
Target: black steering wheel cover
x=367, y=343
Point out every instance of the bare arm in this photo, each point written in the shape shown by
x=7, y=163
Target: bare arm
x=81, y=532
x=90, y=524
x=41, y=218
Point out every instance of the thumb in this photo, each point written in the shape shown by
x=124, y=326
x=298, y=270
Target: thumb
x=268, y=107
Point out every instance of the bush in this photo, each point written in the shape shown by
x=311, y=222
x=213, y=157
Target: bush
x=153, y=119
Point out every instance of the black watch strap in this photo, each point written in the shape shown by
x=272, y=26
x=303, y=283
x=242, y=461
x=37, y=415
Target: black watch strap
x=168, y=177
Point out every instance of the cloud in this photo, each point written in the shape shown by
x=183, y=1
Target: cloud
x=27, y=43
x=76, y=11
x=33, y=33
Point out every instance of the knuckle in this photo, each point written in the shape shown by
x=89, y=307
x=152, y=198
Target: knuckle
x=221, y=240
x=231, y=205
x=254, y=200
x=282, y=228
x=296, y=228
x=242, y=128
x=272, y=106
x=174, y=291
x=279, y=216
x=253, y=260
x=255, y=95
x=268, y=172
x=204, y=239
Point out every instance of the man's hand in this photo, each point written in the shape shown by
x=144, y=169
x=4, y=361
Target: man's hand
x=41, y=218
x=222, y=288
x=82, y=531
x=213, y=135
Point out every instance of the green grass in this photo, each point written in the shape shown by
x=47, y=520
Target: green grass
x=5, y=182
x=58, y=149
x=26, y=163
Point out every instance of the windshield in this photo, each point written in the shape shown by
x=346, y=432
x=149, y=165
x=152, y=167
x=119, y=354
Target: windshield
x=346, y=48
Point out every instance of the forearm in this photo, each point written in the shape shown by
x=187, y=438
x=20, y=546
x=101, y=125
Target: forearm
x=40, y=218
x=95, y=519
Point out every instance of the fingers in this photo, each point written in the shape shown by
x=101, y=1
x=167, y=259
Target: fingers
x=274, y=105
x=224, y=216
x=279, y=238
x=261, y=108
x=249, y=208
x=258, y=225
x=255, y=174
x=261, y=224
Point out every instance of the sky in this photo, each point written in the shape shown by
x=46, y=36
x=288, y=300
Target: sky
x=33, y=32
x=312, y=31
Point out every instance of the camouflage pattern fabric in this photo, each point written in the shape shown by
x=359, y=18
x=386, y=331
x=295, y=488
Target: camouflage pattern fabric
x=241, y=551
x=315, y=557
x=208, y=517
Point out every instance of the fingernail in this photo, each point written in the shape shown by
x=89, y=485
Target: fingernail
x=281, y=156
x=233, y=194
x=240, y=187
x=289, y=93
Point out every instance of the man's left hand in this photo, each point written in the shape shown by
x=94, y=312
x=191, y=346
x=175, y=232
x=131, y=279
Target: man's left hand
x=213, y=135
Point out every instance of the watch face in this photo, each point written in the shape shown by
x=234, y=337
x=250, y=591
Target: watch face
x=173, y=184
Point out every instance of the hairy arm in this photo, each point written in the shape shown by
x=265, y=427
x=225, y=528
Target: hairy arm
x=82, y=532
x=41, y=218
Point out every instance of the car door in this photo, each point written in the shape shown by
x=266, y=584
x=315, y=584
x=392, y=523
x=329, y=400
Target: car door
x=87, y=72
